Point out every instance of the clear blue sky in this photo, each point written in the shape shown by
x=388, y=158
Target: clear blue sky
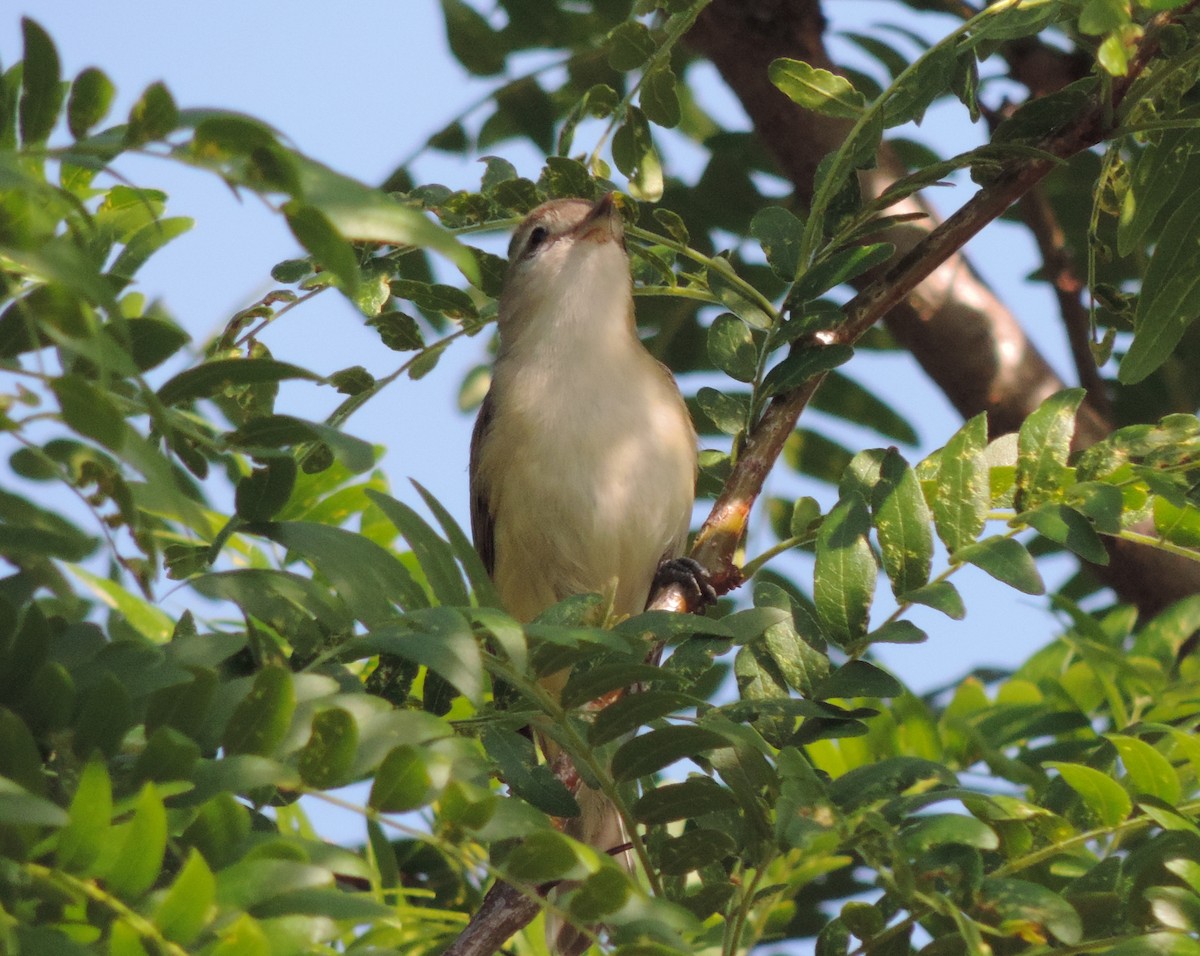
x=360, y=85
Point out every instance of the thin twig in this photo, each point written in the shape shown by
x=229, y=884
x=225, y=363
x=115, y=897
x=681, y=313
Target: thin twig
x=1059, y=271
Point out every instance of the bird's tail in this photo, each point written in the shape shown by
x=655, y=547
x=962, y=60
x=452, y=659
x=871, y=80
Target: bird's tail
x=600, y=825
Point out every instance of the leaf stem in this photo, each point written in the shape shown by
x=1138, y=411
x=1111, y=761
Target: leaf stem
x=76, y=887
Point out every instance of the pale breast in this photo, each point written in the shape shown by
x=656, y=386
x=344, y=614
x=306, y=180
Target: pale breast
x=588, y=494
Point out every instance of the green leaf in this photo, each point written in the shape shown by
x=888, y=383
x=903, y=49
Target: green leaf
x=434, y=555
x=858, y=679
x=727, y=412
x=1043, y=444
x=104, y=715
x=909, y=99
x=1068, y=527
x=253, y=880
x=1167, y=305
x=885, y=779
x=19, y=807
x=212, y=378
x=261, y=494
x=897, y=632
x=605, y=891
x=533, y=782
x=290, y=603
x=261, y=719
x=168, y=755
x=780, y=233
x=839, y=267
x=140, y=859
x=472, y=41
x=367, y=577
x=1098, y=17
x=816, y=89
x=146, y=618
x=1178, y=525
x=693, y=798
x=731, y=347
x=659, y=100
x=1103, y=504
x=799, y=657
x=595, y=682
x=405, y=780
x=468, y=557
x=153, y=341
x=327, y=759
x=941, y=596
x=89, y=102
x=902, y=523
x=263, y=436
x=1022, y=902
x=1164, y=635
x=318, y=905
x=927, y=832
x=316, y=232
x=81, y=840
x=673, y=223
x=41, y=88
x=448, y=300
x=693, y=850
x=629, y=46
x=1166, y=166
x=1102, y=795
x=542, y=856
x=89, y=411
x=722, y=281
x=31, y=532
x=1175, y=907
x=633, y=710
x=190, y=904
x=844, y=578
x=1005, y=559
x=633, y=152
x=153, y=116
x=362, y=214
x=398, y=331
x=962, y=502
x=1150, y=772
x=660, y=748
x=803, y=364
x=439, y=638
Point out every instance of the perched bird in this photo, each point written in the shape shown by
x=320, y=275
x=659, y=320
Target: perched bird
x=583, y=458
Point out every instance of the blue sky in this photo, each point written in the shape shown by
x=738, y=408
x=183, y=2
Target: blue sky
x=360, y=88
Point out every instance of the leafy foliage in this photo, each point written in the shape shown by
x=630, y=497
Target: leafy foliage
x=152, y=768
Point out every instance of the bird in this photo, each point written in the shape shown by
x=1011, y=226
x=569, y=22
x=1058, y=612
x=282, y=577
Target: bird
x=583, y=457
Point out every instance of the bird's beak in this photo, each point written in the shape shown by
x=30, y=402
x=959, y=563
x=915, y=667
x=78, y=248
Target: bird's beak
x=603, y=223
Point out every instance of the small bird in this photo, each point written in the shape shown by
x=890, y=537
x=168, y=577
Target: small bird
x=583, y=458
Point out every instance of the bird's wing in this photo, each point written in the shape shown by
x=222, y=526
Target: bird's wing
x=483, y=522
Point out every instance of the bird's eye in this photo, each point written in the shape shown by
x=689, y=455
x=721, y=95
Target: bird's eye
x=536, y=237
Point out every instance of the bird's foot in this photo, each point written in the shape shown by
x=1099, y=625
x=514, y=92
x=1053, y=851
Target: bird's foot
x=690, y=575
